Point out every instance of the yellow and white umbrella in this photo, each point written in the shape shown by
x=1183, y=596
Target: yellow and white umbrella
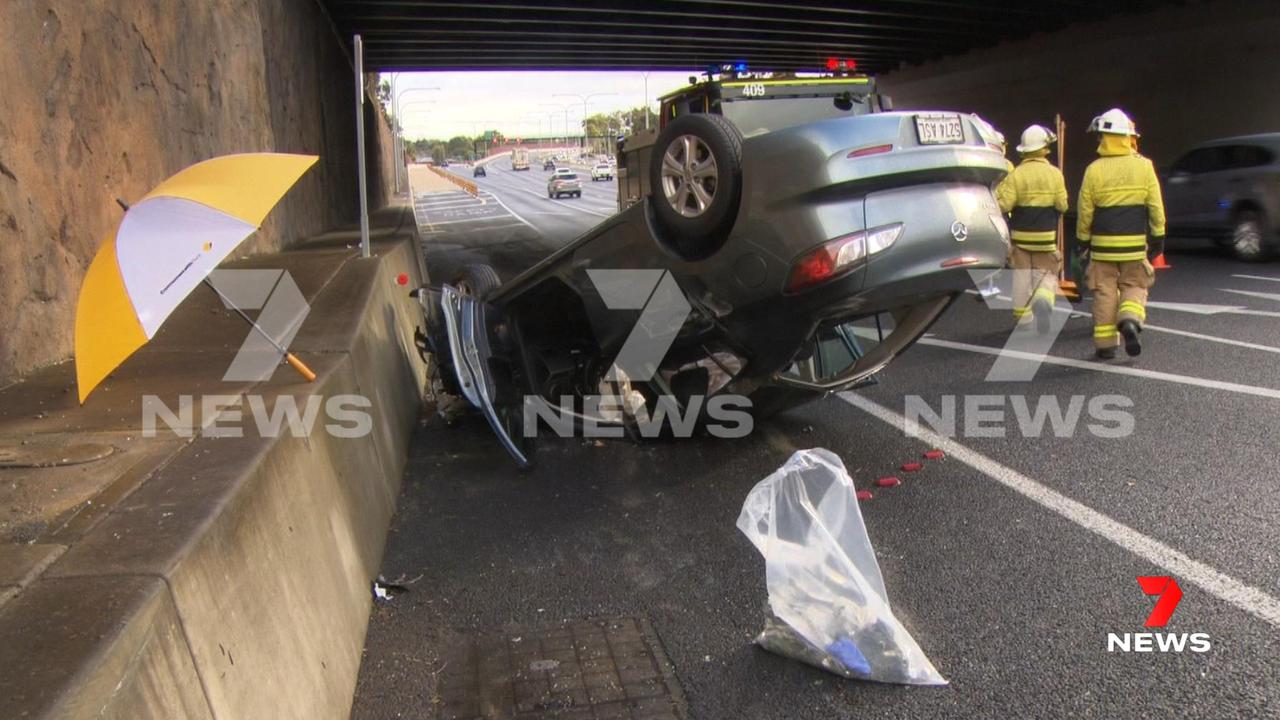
x=167, y=243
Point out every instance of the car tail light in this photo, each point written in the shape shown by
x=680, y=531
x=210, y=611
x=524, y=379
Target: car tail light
x=836, y=257
x=869, y=150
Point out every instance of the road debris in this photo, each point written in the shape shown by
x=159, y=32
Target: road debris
x=385, y=592
x=829, y=606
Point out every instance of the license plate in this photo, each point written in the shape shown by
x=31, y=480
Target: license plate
x=939, y=129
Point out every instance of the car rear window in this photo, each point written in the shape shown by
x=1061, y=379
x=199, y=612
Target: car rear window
x=567, y=176
x=754, y=117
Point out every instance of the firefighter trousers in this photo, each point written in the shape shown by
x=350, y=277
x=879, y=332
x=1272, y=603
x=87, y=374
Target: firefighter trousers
x=1119, y=293
x=1035, y=276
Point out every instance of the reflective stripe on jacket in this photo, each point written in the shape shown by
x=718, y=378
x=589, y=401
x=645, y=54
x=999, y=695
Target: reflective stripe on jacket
x=1120, y=203
x=1036, y=196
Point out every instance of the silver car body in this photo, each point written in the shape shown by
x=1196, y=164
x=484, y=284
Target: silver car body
x=563, y=182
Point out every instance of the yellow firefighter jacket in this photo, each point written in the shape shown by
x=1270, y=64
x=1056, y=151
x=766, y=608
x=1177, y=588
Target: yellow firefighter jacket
x=1037, y=196
x=1120, y=203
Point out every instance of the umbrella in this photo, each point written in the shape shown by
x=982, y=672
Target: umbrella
x=167, y=243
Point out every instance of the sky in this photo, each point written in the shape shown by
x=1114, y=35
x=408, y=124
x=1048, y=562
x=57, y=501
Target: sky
x=518, y=103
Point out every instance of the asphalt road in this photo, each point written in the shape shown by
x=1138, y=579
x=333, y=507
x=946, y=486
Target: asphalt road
x=1010, y=561
x=511, y=225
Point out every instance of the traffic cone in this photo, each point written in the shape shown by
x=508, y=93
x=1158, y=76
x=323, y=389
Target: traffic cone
x=1068, y=289
x=1160, y=264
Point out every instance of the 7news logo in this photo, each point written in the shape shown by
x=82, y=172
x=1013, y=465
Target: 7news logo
x=1167, y=593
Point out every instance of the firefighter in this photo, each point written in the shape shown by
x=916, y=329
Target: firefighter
x=1120, y=228
x=1036, y=196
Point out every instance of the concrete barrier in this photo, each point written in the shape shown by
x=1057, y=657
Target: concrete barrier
x=467, y=185
x=234, y=581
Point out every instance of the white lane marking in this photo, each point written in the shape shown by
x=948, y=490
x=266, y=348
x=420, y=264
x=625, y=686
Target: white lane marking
x=1101, y=367
x=1211, y=338
x=1222, y=586
x=1200, y=309
x=1250, y=293
x=486, y=218
x=1194, y=308
x=564, y=205
x=1167, y=330
x=514, y=214
x=475, y=202
x=1257, y=277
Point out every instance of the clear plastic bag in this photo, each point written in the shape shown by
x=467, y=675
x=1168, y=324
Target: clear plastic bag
x=824, y=583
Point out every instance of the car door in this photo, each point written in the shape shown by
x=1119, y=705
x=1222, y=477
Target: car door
x=1249, y=178
x=1190, y=189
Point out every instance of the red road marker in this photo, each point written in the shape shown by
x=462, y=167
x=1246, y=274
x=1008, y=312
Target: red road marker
x=911, y=466
x=888, y=481
x=934, y=455
x=402, y=279
x=863, y=494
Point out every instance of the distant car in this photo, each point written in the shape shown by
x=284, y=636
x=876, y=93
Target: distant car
x=564, y=182
x=1228, y=190
x=479, y=172
x=601, y=171
x=444, y=163
x=549, y=164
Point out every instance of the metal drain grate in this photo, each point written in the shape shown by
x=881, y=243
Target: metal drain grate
x=598, y=669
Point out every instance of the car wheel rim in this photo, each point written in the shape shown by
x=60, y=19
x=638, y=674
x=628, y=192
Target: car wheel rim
x=1247, y=238
x=689, y=175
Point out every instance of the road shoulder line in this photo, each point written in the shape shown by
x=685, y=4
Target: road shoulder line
x=1101, y=367
x=1250, y=599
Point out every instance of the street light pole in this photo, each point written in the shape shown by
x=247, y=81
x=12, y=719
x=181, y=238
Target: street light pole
x=397, y=148
x=566, y=117
x=646, y=99
x=399, y=126
x=585, y=99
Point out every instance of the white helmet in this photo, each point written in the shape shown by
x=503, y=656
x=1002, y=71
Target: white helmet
x=1036, y=137
x=1115, y=122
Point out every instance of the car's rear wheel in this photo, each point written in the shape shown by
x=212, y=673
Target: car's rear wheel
x=1248, y=242
x=696, y=181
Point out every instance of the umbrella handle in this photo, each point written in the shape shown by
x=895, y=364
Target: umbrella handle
x=300, y=366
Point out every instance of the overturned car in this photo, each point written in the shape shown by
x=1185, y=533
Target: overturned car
x=780, y=238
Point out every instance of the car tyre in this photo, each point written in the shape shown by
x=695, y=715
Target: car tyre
x=695, y=180
x=1248, y=240
x=479, y=281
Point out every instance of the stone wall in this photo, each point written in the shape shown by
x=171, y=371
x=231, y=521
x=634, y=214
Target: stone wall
x=1184, y=73
x=101, y=100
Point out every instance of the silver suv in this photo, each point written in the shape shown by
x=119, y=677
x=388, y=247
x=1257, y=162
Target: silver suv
x=1228, y=190
x=564, y=182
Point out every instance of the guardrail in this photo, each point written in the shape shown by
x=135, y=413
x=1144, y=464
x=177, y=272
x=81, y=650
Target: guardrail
x=464, y=184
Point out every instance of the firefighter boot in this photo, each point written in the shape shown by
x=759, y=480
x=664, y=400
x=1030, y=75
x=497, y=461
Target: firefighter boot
x=1130, y=329
x=1042, y=309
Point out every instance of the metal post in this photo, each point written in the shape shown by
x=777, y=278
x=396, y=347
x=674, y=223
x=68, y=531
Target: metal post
x=397, y=146
x=646, y=100
x=360, y=166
